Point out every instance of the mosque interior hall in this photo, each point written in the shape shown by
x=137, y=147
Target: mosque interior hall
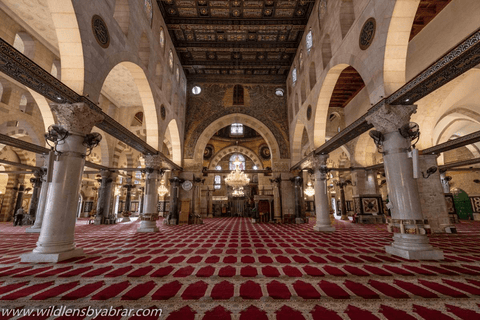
x=241, y=159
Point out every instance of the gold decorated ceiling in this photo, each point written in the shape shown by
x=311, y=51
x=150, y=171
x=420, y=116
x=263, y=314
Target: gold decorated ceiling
x=237, y=37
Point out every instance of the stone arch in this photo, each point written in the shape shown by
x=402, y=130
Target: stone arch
x=69, y=43
x=323, y=102
x=172, y=134
x=23, y=129
x=119, y=150
x=144, y=49
x=312, y=75
x=24, y=43
x=347, y=16
x=454, y=115
x=297, y=141
x=122, y=15
x=303, y=92
x=364, y=151
x=246, y=120
x=326, y=51
x=235, y=149
x=396, y=47
x=149, y=110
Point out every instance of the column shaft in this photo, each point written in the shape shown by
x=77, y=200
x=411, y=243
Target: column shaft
x=322, y=208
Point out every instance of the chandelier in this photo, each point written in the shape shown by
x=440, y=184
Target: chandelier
x=309, y=191
x=162, y=190
x=237, y=178
x=238, y=192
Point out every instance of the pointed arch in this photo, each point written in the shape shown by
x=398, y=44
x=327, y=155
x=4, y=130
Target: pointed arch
x=297, y=142
x=24, y=43
x=326, y=51
x=347, y=16
x=122, y=15
x=172, y=134
x=69, y=43
x=396, y=48
x=246, y=120
x=144, y=49
x=235, y=149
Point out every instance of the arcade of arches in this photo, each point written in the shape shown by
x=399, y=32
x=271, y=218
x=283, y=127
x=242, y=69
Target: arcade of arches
x=357, y=123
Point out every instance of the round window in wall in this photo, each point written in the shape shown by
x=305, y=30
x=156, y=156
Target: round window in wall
x=170, y=59
x=279, y=92
x=255, y=167
x=162, y=38
x=309, y=112
x=196, y=90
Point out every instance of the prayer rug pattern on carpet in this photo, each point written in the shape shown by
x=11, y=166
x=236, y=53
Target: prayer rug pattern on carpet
x=229, y=268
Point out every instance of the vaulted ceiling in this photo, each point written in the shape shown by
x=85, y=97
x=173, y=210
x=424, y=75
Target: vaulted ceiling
x=231, y=39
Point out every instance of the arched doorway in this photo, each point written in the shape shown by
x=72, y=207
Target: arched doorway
x=462, y=204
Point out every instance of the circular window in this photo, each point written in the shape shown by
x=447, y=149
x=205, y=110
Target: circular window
x=279, y=92
x=162, y=38
x=218, y=168
x=255, y=168
x=196, y=90
x=170, y=59
x=309, y=112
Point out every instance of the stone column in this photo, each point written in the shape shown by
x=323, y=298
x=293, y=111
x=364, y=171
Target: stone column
x=104, y=196
x=322, y=207
x=149, y=217
x=142, y=199
x=359, y=182
x=197, y=183
x=343, y=203
x=37, y=184
x=174, y=185
x=277, y=204
x=410, y=241
x=128, y=199
x=371, y=183
x=445, y=182
x=18, y=203
x=298, y=195
x=42, y=199
x=56, y=240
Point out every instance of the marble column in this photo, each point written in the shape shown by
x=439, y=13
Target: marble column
x=42, y=199
x=174, y=185
x=19, y=201
x=410, y=241
x=277, y=206
x=298, y=181
x=322, y=208
x=56, y=241
x=359, y=182
x=142, y=199
x=37, y=184
x=128, y=199
x=104, y=196
x=149, y=217
x=371, y=186
x=445, y=182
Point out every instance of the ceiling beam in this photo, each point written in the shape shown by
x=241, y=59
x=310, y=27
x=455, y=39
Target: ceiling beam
x=457, y=61
x=459, y=164
x=20, y=165
x=453, y=144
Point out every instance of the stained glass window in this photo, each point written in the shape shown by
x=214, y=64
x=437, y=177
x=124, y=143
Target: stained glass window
x=233, y=158
x=236, y=129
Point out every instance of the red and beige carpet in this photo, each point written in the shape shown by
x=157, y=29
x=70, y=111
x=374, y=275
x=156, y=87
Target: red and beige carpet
x=229, y=268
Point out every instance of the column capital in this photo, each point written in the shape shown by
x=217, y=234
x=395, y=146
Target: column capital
x=319, y=161
x=390, y=118
x=76, y=117
x=153, y=161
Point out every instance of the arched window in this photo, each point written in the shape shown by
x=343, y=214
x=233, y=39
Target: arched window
x=309, y=41
x=236, y=129
x=238, y=95
x=233, y=158
x=138, y=176
x=25, y=44
x=218, y=167
x=294, y=76
x=137, y=119
x=218, y=182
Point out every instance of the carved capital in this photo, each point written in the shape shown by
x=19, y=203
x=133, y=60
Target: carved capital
x=153, y=161
x=319, y=162
x=390, y=118
x=77, y=117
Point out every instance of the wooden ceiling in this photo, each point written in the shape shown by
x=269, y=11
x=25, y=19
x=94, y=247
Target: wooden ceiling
x=348, y=86
x=427, y=10
x=228, y=39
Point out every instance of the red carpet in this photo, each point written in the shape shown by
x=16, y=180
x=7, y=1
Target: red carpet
x=232, y=269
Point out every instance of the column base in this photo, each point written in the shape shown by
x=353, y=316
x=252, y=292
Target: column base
x=299, y=221
x=126, y=219
x=324, y=228
x=148, y=226
x=98, y=220
x=148, y=229
x=33, y=230
x=415, y=254
x=51, y=257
